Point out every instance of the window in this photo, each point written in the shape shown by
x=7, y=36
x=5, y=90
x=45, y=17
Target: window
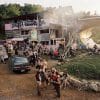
x=56, y=33
x=51, y=42
x=44, y=42
x=44, y=31
x=22, y=33
x=57, y=36
x=54, y=42
x=20, y=60
x=47, y=42
x=25, y=32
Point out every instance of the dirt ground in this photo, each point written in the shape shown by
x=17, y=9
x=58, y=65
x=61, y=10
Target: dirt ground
x=23, y=87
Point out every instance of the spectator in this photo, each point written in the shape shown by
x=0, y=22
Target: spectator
x=2, y=57
x=51, y=52
x=45, y=64
x=55, y=53
x=41, y=79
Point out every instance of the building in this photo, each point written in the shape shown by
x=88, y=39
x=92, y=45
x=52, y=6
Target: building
x=46, y=27
x=51, y=35
x=23, y=26
x=36, y=28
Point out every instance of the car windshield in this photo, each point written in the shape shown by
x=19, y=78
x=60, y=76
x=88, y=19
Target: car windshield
x=20, y=60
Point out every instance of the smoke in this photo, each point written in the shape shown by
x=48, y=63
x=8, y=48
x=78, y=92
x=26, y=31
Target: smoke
x=68, y=20
x=63, y=16
x=57, y=15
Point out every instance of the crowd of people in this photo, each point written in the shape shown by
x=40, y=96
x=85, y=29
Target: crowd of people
x=34, y=51
x=27, y=48
x=45, y=77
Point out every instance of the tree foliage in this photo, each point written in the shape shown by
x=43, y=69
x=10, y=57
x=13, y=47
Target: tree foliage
x=10, y=10
x=13, y=10
x=29, y=9
x=3, y=11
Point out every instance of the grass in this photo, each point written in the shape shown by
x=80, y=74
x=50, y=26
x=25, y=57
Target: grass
x=96, y=35
x=86, y=67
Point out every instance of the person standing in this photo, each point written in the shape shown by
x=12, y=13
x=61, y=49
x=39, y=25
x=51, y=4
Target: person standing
x=51, y=52
x=10, y=49
x=30, y=52
x=55, y=80
x=45, y=65
x=34, y=59
x=41, y=80
x=39, y=63
x=2, y=57
x=38, y=80
x=55, y=53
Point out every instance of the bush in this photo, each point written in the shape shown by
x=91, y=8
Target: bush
x=87, y=67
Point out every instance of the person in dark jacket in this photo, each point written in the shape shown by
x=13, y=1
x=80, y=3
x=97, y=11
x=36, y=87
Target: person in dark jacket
x=40, y=78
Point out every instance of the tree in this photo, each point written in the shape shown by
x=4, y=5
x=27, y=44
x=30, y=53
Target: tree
x=3, y=11
x=72, y=35
x=29, y=9
x=13, y=10
x=2, y=35
x=10, y=10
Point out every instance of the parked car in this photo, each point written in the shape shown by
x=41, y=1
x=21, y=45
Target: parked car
x=3, y=52
x=19, y=64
